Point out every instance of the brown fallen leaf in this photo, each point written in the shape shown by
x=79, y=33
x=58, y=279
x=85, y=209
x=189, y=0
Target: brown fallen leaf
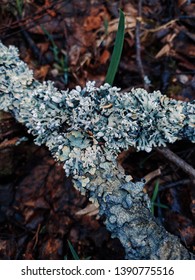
x=9, y=143
x=104, y=56
x=96, y=19
x=43, y=47
x=38, y=203
x=182, y=2
x=164, y=51
x=92, y=23
x=42, y=72
x=74, y=55
x=51, y=12
x=51, y=249
x=7, y=249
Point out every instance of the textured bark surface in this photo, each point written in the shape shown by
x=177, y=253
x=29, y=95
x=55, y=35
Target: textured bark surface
x=141, y=235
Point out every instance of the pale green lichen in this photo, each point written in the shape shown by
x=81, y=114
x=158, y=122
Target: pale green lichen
x=85, y=129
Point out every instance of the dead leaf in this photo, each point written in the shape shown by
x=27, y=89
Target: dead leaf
x=92, y=23
x=164, y=51
x=43, y=47
x=51, y=24
x=41, y=73
x=51, y=12
x=38, y=203
x=104, y=57
x=74, y=54
x=96, y=19
x=108, y=37
x=51, y=249
x=9, y=143
x=7, y=249
x=190, y=10
x=182, y=2
x=130, y=9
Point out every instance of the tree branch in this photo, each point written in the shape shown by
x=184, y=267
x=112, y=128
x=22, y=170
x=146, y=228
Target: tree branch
x=86, y=129
x=138, y=45
x=187, y=168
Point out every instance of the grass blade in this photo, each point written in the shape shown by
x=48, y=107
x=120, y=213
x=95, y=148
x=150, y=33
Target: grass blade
x=158, y=204
x=155, y=192
x=73, y=252
x=154, y=196
x=118, y=46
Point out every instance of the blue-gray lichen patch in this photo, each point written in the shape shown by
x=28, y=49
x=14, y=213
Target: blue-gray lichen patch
x=100, y=121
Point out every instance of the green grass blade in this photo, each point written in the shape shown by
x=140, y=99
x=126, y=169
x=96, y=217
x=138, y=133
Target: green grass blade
x=19, y=6
x=73, y=252
x=158, y=204
x=152, y=209
x=155, y=192
x=118, y=46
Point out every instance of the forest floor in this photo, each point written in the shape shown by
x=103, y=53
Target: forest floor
x=71, y=42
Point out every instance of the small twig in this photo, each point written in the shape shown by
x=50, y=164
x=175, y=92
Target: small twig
x=152, y=175
x=35, y=50
x=90, y=210
x=36, y=237
x=30, y=42
x=187, y=168
x=8, y=143
x=138, y=45
x=174, y=184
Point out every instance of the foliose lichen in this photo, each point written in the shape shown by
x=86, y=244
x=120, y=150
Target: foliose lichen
x=86, y=129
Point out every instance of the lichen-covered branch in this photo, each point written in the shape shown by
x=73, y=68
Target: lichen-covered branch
x=86, y=129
